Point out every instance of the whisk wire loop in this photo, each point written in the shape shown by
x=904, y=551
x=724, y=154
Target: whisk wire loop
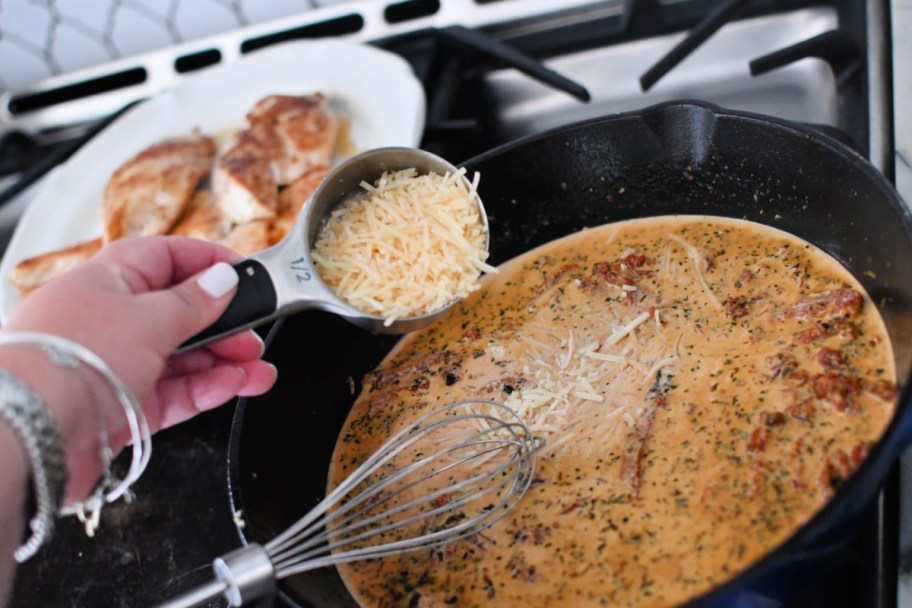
x=338, y=533
x=390, y=449
x=476, y=463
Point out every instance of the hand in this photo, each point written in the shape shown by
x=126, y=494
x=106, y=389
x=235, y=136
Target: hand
x=132, y=305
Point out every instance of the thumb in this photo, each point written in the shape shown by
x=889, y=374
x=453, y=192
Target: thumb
x=189, y=307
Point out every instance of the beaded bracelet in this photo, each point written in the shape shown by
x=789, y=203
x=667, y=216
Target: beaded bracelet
x=34, y=425
x=70, y=355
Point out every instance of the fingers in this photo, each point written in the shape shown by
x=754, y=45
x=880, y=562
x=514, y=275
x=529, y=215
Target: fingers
x=244, y=346
x=151, y=263
x=180, y=398
x=186, y=309
x=261, y=376
x=239, y=348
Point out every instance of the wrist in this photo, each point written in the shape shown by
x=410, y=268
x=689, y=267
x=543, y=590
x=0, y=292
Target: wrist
x=72, y=357
x=49, y=399
x=14, y=479
x=70, y=403
x=13, y=485
x=26, y=415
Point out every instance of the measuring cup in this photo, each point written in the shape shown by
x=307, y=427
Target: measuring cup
x=281, y=280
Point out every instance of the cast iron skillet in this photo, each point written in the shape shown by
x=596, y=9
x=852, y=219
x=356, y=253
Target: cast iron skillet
x=685, y=158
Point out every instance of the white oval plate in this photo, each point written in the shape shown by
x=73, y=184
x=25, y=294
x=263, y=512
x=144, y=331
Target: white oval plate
x=376, y=91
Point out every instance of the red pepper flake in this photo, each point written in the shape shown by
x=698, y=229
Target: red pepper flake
x=576, y=504
x=758, y=438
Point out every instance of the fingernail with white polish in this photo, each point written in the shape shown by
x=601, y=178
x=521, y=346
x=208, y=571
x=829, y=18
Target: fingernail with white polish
x=260, y=340
x=218, y=280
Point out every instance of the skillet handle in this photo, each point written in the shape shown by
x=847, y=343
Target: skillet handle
x=254, y=303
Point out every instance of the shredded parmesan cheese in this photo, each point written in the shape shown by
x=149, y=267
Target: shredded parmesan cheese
x=658, y=365
x=409, y=246
x=622, y=332
x=571, y=378
x=695, y=258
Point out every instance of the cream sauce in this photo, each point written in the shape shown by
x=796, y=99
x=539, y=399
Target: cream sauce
x=701, y=384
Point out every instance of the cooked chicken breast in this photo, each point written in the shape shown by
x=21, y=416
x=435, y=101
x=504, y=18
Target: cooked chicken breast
x=305, y=127
x=36, y=271
x=296, y=193
x=147, y=194
x=244, y=179
x=203, y=219
x=249, y=238
x=286, y=137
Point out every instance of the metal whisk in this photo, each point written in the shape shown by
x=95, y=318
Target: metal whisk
x=448, y=475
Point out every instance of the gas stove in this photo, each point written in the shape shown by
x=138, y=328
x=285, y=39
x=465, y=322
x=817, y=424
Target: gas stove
x=498, y=70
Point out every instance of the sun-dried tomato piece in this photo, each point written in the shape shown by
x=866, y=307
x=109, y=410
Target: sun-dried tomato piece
x=627, y=271
x=803, y=411
x=737, y=307
x=758, y=438
x=829, y=358
x=883, y=389
x=838, y=390
x=772, y=418
x=836, y=304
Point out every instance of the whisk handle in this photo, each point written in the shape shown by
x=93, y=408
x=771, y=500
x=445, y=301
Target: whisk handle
x=197, y=596
x=243, y=575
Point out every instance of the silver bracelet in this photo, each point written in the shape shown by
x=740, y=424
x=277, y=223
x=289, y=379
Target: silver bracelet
x=34, y=425
x=68, y=354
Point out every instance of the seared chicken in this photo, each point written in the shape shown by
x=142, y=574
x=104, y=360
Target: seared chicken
x=250, y=237
x=36, y=271
x=304, y=127
x=287, y=136
x=259, y=185
x=147, y=194
x=293, y=197
x=244, y=180
x=203, y=219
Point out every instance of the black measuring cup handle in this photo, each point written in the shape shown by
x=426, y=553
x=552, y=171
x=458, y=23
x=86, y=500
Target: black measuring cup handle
x=254, y=302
